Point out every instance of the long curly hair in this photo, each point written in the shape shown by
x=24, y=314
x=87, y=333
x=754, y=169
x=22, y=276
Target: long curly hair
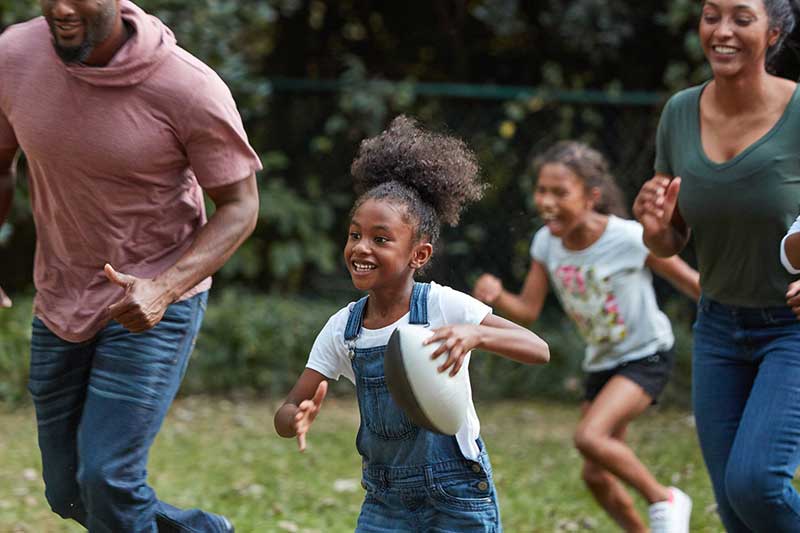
x=433, y=175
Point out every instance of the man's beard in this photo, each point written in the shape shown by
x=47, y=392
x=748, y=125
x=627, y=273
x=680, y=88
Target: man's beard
x=97, y=30
x=74, y=54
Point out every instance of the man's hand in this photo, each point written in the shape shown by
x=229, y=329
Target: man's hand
x=143, y=304
x=5, y=301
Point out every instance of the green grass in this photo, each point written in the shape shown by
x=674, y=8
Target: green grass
x=224, y=456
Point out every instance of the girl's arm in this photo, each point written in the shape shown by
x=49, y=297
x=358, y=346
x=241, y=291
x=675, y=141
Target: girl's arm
x=295, y=416
x=656, y=208
x=524, y=307
x=678, y=273
x=493, y=334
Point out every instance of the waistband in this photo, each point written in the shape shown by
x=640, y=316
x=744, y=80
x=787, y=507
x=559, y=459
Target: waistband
x=751, y=314
x=425, y=475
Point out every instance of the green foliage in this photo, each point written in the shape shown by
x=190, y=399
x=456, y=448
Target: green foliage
x=257, y=343
x=15, y=341
x=252, y=342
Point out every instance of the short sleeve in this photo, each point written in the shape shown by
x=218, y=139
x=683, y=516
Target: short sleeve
x=216, y=144
x=328, y=355
x=539, y=245
x=458, y=307
x=795, y=228
x=662, y=164
x=634, y=248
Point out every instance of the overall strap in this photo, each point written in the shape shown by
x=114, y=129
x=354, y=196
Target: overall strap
x=419, y=303
x=354, y=320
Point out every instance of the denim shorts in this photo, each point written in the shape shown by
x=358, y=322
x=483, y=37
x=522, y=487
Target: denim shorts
x=651, y=373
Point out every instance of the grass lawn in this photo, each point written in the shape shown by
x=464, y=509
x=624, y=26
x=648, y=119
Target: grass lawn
x=224, y=456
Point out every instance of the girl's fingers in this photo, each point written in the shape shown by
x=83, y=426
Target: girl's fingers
x=301, y=441
x=457, y=366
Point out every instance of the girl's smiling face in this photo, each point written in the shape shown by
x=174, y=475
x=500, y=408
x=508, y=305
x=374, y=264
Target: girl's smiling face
x=382, y=249
x=561, y=199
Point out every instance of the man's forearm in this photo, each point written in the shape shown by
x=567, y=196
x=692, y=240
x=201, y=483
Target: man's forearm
x=227, y=229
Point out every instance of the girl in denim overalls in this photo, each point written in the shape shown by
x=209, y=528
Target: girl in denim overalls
x=409, y=181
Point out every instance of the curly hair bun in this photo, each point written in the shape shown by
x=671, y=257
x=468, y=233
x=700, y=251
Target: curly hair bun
x=441, y=169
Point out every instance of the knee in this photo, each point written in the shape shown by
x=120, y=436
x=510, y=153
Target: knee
x=587, y=441
x=751, y=490
x=93, y=480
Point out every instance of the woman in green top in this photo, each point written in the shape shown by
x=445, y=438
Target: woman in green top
x=735, y=143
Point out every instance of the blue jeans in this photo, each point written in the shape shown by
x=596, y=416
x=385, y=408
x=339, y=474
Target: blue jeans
x=456, y=496
x=99, y=405
x=746, y=395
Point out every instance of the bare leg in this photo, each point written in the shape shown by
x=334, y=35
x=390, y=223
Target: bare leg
x=619, y=402
x=609, y=492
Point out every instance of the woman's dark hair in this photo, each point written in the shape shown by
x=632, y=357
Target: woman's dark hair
x=781, y=15
x=433, y=175
x=592, y=168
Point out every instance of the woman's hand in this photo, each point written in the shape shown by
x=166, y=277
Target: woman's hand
x=656, y=209
x=306, y=413
x=793, y=297
x=458, y=340
x=655, y=204
x=488, y=288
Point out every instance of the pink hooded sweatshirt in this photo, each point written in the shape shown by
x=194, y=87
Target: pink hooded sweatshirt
x=117, y=156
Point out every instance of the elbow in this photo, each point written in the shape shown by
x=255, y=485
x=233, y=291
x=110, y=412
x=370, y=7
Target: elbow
x=544, y=353
x=280, y=428
x=250, y=215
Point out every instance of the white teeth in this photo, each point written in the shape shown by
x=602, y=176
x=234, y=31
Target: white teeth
x=363, y=267
x=724, y=50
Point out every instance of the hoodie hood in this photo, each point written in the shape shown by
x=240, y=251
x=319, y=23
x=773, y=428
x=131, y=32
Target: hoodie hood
x=149, y=44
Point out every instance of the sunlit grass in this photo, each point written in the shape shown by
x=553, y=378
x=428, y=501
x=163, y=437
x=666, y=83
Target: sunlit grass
x=224, y=456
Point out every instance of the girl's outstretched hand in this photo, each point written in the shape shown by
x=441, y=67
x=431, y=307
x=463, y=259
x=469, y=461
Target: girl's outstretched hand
x=488, y=288
x=5, y=301
x=655, y=204
x=458, y=340
x=307, y=412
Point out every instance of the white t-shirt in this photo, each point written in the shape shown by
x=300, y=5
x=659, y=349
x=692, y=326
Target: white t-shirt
x=329, y=355
x=607, y=290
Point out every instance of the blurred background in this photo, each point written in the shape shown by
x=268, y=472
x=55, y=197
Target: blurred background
x=312, y=78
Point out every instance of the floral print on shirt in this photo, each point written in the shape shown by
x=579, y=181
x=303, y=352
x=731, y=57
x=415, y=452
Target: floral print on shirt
x=589, y=301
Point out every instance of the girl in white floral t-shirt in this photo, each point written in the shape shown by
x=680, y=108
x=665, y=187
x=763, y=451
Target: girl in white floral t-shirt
x=599, y=267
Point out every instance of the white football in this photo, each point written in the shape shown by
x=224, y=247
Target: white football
x=431, y=399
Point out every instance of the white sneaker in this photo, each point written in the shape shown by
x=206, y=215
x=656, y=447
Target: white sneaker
x=671, y=516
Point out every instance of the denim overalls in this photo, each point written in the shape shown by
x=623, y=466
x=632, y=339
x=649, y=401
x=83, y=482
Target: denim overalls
x=416, y=480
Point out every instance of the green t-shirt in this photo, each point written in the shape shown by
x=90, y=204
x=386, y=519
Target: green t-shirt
x=738, y=210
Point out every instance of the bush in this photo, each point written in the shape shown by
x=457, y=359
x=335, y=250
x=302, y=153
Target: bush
x=258, y=343
x=254, y=342
x=15, y=342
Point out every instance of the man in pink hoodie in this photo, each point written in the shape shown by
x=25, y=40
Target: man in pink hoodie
x=122, y=131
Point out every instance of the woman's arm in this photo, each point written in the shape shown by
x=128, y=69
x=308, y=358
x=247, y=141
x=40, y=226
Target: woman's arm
x=493, y=334
x=524, y=307
x=656, y=208
x=678, y=273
